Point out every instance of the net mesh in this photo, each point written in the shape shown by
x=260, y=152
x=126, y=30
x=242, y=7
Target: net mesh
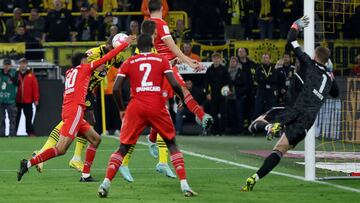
x=338, y=122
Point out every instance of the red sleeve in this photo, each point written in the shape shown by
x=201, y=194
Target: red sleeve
x=123, y=70
x=163, y=29
x=108, y=56
x=166, y=65
x=36, y=92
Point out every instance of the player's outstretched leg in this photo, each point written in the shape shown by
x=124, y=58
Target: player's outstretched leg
x=50, y=142
x=179, y=166
x=151, y=140
x=163, y=166
x=195, y=108
x=76, y=162
x=94, y=138
x=124, y=168
x=269, y=164
x=115, y=162
x=60, y=149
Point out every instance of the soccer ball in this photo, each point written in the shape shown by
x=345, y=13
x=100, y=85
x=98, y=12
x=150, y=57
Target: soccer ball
x=119, y=39
x=225, y=91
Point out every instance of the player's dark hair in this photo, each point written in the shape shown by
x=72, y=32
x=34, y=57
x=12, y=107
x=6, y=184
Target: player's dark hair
x=154, y=5
x=144, y=42
x=76, y=58
x=148, y=27
x=322, y=54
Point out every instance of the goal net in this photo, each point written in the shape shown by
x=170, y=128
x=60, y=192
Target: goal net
x=337, y=127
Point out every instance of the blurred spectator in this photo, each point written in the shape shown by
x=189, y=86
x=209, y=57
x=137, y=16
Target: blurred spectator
x=285, y=72
x=239, y=85
x=249, y=67
x=36, y=25
x=35, y=4
x=266, y=12
x=145, y=8
x=234, y=28
x=198, y=96
x=78, y=4
x=113, y=31
x=3, y=29
x=266, y=80
x=112, y=114
x=184, y=5
x=181, y=34
x=215, y=78
x=22, y=36
x=9, y=83
x=105, y=5
x=51, y=5
x=356, y=69
x=134, y=28
x=351, y=27
x=14, y=22
x=8, y=6
x=288, y=13
x=58, y=24
x=104, y=29
x=124, y=6
x=86, y=26
x=187, y=49
x=27, y=94
x=250, y=18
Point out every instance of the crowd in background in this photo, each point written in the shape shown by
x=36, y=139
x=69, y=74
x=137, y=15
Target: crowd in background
x=19, y=91
x=225, y=19
x=255, y=86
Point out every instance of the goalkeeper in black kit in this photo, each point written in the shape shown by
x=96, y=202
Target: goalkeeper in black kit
x=313, y=83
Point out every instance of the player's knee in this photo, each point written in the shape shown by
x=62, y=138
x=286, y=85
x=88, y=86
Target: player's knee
x=61, y=150
x=97, y=141
x=282, y=147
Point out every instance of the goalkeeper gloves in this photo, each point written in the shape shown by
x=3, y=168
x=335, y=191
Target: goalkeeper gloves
x=329, y=66
x=301, y=23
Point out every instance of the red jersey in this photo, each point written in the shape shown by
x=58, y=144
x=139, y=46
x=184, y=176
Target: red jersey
x=146, y=72
x=163, y=32
x=77, y=79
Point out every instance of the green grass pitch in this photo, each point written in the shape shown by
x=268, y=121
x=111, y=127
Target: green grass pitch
x=214, y=181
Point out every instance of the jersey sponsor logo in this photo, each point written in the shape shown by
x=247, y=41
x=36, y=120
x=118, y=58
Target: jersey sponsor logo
x=148, y=89
x=166, y=29
x=89, y=53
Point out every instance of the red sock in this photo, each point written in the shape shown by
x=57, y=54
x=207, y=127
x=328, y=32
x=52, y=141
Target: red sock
x=194, y=107
x=89, y=158
x=153, y=134
x=114, y=164
x=179, y=165
x=44, y=156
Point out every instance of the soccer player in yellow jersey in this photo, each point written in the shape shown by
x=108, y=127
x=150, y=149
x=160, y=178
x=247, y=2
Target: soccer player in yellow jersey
x=96, y=78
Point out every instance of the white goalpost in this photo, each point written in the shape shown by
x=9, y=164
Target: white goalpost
x=309, y=46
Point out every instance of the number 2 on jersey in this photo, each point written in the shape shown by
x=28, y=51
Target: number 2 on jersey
x=147, y=68
x=70, y=79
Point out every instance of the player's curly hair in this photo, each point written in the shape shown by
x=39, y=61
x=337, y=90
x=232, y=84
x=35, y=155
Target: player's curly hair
x=76, y=58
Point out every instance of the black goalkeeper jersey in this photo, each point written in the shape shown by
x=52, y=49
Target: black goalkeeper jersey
x=316, y=83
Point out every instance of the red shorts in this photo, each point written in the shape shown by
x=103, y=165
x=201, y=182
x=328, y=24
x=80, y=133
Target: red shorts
x=167, y=89
x=74, y=122
x=139, y=115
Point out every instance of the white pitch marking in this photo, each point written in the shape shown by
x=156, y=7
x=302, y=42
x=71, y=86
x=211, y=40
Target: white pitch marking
x=256, y=168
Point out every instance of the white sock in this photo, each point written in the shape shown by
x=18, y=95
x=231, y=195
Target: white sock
x=76, y=158
x=107, y=180
x=256, y=177
x=184, y=184
x=28, y=164
x=268, y=126
x=85, y=175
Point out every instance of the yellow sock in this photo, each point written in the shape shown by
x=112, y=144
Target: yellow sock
x=53, y=137
x=163, y=150
x=79, y=147
x=127, y=157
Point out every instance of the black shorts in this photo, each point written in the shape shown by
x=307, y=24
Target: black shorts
x=295, y=123
x=90, y=102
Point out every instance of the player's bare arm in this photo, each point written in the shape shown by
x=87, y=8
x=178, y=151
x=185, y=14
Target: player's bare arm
x=175, y=85
x=119, y=81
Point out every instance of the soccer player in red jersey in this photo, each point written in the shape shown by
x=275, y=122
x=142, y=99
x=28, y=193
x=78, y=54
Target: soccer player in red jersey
x=165, y=45
x=76, y=85
x=146, y=72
